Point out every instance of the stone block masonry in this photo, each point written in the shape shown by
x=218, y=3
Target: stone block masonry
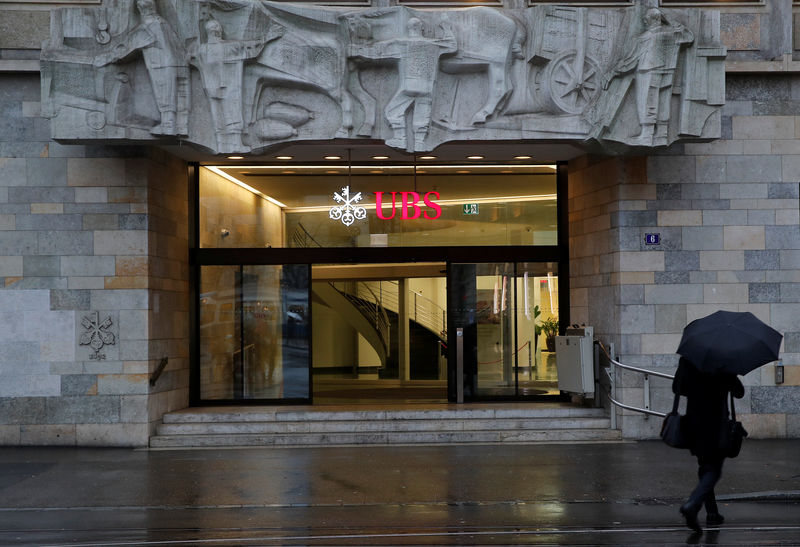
x=735, y=202
x=93, y=284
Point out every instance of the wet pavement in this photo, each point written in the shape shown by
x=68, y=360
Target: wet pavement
x=564, y=494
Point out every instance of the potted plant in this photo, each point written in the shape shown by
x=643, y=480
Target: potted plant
x=549, y=327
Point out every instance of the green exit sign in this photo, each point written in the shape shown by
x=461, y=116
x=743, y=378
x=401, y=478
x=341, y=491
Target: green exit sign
x=470, y=208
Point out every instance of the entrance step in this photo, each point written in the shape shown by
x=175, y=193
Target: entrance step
x=322, y=426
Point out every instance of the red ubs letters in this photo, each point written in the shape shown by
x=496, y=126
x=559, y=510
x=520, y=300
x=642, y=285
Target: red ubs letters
x=409, y=208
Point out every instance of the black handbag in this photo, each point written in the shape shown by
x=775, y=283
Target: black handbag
x=672, y=430
x=731, y=435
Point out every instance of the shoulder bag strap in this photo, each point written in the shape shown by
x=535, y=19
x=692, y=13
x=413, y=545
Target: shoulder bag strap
x=733, y=408
x=675, y=403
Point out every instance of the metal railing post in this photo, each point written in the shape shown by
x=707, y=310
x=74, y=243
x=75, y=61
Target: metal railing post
x=530, y=360
x=646, y=394
x=460, y=365
x=613, y=385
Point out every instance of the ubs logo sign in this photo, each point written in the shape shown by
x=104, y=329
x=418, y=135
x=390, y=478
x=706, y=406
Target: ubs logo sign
x=348, y=212
x=412, y=205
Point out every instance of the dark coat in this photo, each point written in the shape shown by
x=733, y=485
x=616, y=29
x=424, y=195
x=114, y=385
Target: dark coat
x=706, y=405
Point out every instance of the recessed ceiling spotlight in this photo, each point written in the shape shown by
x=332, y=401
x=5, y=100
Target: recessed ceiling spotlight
x=462, y=171
x=506, y=171
x=288, y=172
x=333, y=157
x=427, y=157
x=376, y=171
x=380, y=157
x=235, y=157
x=284, y=157
x=421, y=171
x=522, y=157
x=474, y=157
x=332, y=172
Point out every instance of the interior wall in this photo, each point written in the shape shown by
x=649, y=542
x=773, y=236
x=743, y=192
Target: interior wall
x=231, y=216
x=334, y=341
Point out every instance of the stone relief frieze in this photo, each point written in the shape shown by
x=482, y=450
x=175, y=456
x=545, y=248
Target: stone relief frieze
x=241, y=76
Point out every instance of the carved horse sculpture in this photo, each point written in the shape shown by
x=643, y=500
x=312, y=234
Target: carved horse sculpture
x=486, y=41
x=309, y=55
x=314, y=53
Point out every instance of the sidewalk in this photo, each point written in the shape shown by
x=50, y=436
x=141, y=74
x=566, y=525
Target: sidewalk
x=357, y=495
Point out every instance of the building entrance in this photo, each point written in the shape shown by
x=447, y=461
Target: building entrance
x=379, y=332
x=402, y=287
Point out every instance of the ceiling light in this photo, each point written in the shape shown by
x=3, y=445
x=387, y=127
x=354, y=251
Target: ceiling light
x=522, y=157
x=333, y=157
x=421, y=171
x=462, y=172
x=284, y=157
x=506, y=171
x=332, y=172
x=236, y=181
x=376, y=171
x=474, y=157
x=380, y=157
x=427, y=157
x=235, y=157
x=288, y=172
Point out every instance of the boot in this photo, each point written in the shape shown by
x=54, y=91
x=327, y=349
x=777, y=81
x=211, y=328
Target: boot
x=689, y=513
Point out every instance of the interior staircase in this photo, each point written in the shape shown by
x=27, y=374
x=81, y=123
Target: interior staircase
x=382, y=425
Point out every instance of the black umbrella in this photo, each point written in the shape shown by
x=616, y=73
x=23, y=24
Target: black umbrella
x=735, y=342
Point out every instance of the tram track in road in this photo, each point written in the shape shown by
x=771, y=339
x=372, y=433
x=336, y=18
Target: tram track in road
x=376, y=536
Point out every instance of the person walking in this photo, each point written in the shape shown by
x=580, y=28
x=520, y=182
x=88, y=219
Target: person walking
x=706, y=411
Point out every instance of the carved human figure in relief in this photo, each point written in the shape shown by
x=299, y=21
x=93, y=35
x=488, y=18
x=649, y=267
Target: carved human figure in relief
x=165, y=60
x=221, y=66
x=653, y=60
x=418, y=64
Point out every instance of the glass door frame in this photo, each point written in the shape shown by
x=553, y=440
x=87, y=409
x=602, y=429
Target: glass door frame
x=199, y=257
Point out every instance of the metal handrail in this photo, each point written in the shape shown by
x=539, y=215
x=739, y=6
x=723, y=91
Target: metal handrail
x=611, y=391
x=369, y=305
x=424, y=311
x=159, y=369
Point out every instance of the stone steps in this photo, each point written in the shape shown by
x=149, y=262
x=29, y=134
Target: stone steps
x=282, y=426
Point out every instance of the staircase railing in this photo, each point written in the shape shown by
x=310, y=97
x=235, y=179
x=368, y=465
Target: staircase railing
x=301, y=238
x=422, y=310
x=370, y=306
x=612, y=389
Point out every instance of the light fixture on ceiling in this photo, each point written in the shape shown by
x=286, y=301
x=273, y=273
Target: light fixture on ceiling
x=376, y=171
x=333, y=157
x=288, y=172
x=333, y=172
x=475, y=157
x=380, y=157
x=522, y=157
x=427, y=157
x=284, y=157
x=462, y=172
x=235, y=157
x=226, y=176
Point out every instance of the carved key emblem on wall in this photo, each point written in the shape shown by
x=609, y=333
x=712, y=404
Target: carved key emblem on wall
x=97, y=334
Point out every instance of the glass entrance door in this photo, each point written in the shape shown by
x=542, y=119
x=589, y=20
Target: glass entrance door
x=508, y=313
x=254, y=332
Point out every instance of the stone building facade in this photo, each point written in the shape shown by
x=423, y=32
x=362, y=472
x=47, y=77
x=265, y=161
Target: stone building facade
x=95, y=246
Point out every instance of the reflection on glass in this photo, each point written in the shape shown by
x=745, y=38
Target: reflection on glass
x=505, y=309
x=254, y=329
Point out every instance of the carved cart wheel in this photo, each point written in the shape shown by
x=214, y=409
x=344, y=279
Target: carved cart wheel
x=571, y=89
